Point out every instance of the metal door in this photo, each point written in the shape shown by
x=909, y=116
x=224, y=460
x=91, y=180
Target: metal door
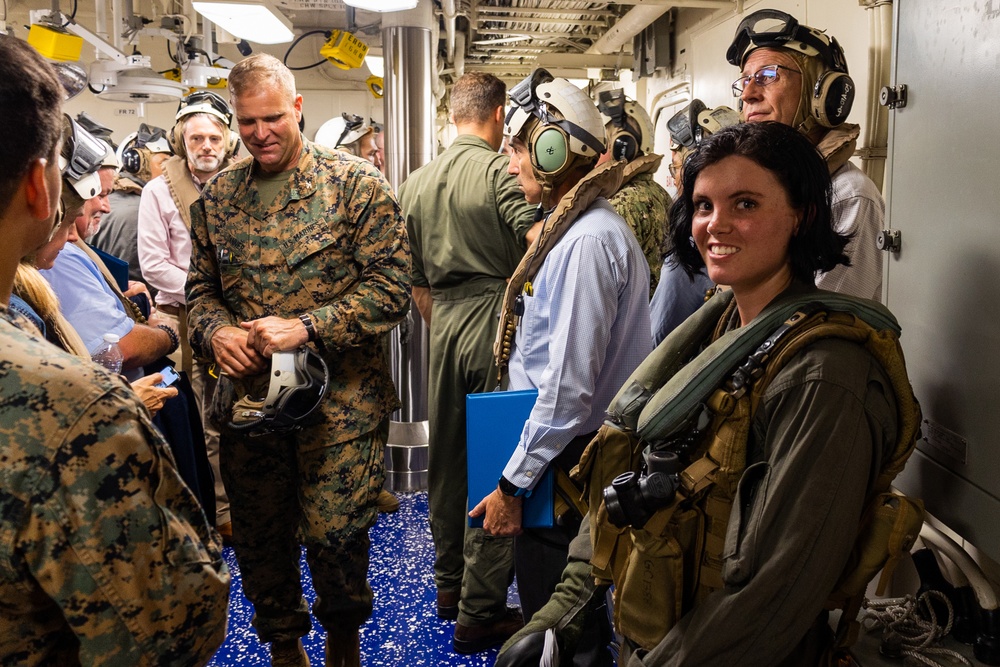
x=943, y=195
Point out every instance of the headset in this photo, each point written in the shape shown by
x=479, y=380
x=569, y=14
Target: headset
x=203, y=101
x=624, y=140
x=133, y=153
x=833, y=93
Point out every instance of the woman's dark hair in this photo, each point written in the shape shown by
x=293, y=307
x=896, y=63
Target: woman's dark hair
x=794, y=161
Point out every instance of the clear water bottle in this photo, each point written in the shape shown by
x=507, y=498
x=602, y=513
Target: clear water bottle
x=110, y=355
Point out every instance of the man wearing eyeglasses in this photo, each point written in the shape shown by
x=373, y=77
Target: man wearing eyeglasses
x=203, y=145
x=797, y=75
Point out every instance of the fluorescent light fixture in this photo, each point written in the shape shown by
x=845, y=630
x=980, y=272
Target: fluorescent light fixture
x=382, y=5
x=376, y=65
x=256, y=21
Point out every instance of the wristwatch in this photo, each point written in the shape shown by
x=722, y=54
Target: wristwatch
x=508, y=489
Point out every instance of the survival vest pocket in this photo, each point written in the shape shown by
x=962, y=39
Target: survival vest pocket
x=889, y=527
x=611, y=452
x=653, y=597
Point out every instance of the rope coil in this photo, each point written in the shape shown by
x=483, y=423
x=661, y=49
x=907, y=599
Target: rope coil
x=910, y=628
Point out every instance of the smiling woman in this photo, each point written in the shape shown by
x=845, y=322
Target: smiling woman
x=793, y=414
x=756, y=201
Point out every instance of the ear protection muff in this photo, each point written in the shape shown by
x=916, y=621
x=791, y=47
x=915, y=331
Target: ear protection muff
x=134, y=160
x=833, y=96
x=624, y=146
x=549, y=149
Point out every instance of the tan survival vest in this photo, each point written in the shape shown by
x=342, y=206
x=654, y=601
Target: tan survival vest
x=663, y=569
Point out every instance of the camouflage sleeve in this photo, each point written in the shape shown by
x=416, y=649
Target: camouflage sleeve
x=118, y=542
x=380, y=247
x=514, y=209
x=207, y=311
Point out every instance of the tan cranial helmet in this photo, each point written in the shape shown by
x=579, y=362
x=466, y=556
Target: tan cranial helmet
x=628, y=130
x=558, y=123
x=827, y=89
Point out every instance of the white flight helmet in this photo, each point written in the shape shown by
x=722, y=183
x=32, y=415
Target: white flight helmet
x=342, y=130
x=557, y=121
x=86, y=154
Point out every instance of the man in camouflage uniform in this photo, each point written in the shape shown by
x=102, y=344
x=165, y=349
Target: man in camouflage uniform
x=105, y=556
x=300, y=245
x=642, y=201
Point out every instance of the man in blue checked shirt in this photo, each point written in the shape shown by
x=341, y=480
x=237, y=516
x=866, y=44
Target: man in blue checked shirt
x=575, y=322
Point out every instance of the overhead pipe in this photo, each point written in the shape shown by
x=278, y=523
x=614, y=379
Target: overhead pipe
x=117, y=21
x=628, y=26
x=450, y=22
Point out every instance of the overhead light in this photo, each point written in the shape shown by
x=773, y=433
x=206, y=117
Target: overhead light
x=253, y=20
x=382, y=5
x=376, y=65
x=120, y=77
x=140, y=86
x=72, y=77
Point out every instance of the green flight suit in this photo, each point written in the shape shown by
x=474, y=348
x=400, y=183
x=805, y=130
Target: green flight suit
x=467, y=220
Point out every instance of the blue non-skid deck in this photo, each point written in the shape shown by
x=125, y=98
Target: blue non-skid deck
x=404, y=630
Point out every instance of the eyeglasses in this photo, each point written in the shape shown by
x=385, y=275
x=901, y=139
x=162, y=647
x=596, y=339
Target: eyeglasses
x=765, y=76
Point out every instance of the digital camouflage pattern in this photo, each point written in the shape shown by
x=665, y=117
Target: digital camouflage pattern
x=332, y=244
x=644, y=204
x=106, y=558
x=323, y=498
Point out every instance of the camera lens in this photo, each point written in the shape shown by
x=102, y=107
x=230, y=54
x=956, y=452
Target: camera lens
x=619, y=498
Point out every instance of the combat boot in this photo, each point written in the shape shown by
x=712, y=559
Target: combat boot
x=288, y=653
x=343, y=649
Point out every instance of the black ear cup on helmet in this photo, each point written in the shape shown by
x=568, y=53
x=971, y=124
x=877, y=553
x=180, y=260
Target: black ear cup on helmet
x=133, y=160
x=624, y=146
x=832, y=98
x=549, y=149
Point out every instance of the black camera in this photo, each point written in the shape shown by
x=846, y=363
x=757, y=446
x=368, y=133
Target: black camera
x=633, y=498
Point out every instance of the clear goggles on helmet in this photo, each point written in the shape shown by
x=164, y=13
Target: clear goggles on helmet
x=683, y=125
x=148, y=134
x=299, y=382
x=204, y=101
x=87, y=152
x=775, y=28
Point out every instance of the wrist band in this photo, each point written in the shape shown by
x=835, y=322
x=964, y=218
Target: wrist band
x=310, y=329
x=175, y=342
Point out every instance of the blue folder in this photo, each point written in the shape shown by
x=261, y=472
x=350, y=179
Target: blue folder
x=494, y=422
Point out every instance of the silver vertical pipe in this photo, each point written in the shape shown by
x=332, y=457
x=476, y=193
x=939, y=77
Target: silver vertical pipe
x=409, y=142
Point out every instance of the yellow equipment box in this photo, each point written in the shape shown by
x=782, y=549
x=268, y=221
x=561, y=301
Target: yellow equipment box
x=344, y=50
x=55, y=44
